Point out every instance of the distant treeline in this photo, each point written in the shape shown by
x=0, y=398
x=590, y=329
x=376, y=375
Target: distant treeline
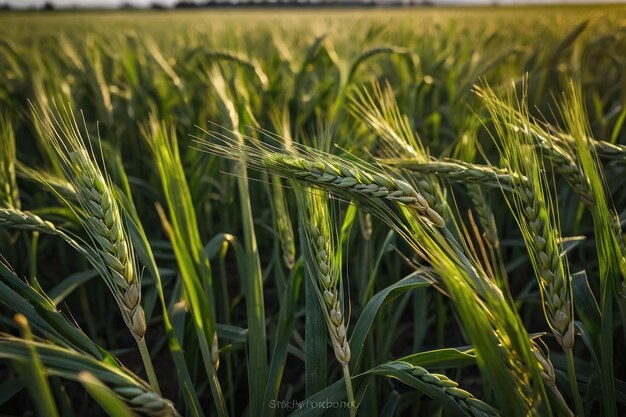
x=299, y=3
x=257, y=3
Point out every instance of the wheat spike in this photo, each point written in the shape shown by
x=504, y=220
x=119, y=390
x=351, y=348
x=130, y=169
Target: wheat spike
x=327, y=270
x=547, y=259
x=450, y=388
x=100, y=215
x=105, y=225
x=533, y=209
x=350, y=179
x=459, y=171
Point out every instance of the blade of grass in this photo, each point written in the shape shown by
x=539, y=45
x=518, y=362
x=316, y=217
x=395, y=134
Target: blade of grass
x=34, y=374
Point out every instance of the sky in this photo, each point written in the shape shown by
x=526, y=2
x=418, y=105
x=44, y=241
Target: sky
x=114, y=3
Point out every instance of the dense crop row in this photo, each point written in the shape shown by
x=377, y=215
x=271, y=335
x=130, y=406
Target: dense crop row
x=409, y=213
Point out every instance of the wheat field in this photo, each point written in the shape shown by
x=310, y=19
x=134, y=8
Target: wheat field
x=338, y=212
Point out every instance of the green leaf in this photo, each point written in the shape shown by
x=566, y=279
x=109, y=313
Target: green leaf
x=442, y=358
x=286, y=321
x=59, y=292
x=585, y=303
x=368, y=315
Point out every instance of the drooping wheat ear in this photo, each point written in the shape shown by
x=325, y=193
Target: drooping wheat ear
x=99, y=213
x=9, y=195
x=462, y=398
x=381, y=113
x=345, y=178
x=604, y=149
x=326, y=263
x=351, y=181
x=536, y=215
x=147, y=402
x=53, y=182
x=608, y=150
x=459, y=171
x=67, y=363
x=26, y=220
x=10, y=217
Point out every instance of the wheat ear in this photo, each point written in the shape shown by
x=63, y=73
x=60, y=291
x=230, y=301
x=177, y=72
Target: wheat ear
x=543, y=241
x=459, y=171
x=104, y=225
x=549, y=378
x=464, y=399
x=327, y=270
x=533, y=209
x=345, y=178
x=100, y=215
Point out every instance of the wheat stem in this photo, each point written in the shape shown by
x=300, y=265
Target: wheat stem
x=349, y=390
x=147, y=362
x=571, y=373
